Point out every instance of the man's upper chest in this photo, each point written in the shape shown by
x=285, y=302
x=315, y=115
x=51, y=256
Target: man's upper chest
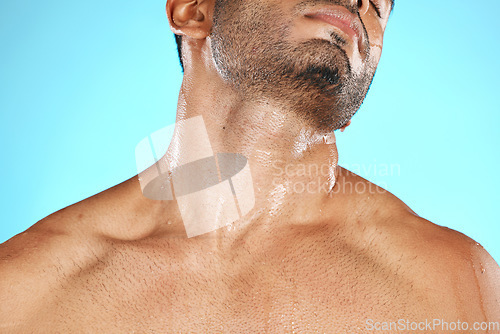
x=297, y=286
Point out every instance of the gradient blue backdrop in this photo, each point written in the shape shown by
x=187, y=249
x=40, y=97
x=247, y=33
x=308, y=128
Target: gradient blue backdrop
x=81, y=83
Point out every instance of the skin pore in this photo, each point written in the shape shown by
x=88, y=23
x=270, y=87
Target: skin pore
x=322, y=250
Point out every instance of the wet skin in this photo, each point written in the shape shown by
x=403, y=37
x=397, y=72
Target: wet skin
x=119, y=263
x=324, y=261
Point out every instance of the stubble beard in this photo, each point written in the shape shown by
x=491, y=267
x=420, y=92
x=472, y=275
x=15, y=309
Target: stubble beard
x=312, y=79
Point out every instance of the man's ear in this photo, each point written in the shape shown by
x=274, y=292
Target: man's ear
x=190, y=17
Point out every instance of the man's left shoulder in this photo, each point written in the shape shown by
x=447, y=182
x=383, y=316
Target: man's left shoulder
x=466, y=258
x=440, y=260
x=450, y=261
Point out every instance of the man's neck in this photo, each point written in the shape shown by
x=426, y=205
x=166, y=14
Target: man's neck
x=293, y=165
x=288, y=159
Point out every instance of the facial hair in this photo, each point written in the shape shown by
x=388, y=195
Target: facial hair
x=313, y=79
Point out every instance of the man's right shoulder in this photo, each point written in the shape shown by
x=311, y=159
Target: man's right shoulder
x=36, y=263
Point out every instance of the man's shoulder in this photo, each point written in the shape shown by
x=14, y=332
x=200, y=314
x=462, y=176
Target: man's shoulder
x=73, y=235
x=36, y=263
x=448, y=264
x=444, y=262
x=73, y=238
x=453, y=270
x=359, y=192
x=436, y=257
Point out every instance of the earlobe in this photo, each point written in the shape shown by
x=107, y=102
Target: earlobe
x=189, y=17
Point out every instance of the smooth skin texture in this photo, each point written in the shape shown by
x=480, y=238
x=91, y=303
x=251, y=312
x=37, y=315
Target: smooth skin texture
x=319, y=261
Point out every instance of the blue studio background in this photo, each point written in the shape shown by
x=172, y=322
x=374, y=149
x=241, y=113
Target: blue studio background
x=81, y=83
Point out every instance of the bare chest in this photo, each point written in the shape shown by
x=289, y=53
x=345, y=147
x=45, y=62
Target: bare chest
x=299, y=288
